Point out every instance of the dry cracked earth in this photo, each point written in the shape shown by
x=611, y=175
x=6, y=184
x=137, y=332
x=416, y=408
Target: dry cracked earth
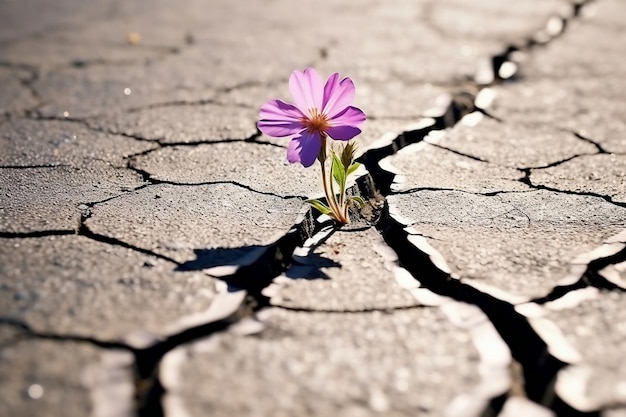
x=157, y=257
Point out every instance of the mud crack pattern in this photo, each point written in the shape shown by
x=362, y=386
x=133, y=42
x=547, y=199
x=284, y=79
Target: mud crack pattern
x=158, y=258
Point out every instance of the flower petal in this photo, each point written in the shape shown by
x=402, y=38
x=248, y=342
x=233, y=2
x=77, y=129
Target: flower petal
x=279, y=110
x=351, y=116
x=306, y=89
x=343, y=132
x=279, y=119
x=278, y=129
x=304, y=148
x=337, y=95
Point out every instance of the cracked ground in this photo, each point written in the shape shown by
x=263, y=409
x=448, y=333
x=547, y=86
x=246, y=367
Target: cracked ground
x=157, y=256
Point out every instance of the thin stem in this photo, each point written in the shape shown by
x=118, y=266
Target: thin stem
x=342, y=194
x=340, y=212
x=332, y=189
x=340, y=208
x=329, y=197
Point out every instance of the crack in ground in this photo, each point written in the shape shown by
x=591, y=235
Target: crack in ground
x=489, y=115
x=538, y=365
x=162, y=51
x=147, y=177
x=23, y=67
x=598, y=146
x=37, y=233
x=515, y=209
x=34, y=166
x=238, y=184
x=527, y=180
x=86, y=208
x=459, y=153
x=35, y=115
x=522, y=169
x=556, y=163
x=85, y=231
x=251, y=138
x=149, y=388
x=27, y=83
x=26, y=329
x=590, y=278
x=82, y=230
x=528, y=348
x=251, y=278
x=147, y=393
x=457, y=190
x=160, y=142
x=345, y=311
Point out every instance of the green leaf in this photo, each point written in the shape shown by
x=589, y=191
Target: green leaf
x=321, y=207
x=339, y=172
x=353, y=168
x=357, y=200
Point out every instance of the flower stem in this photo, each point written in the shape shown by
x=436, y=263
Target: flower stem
x=339, y=212
x=341, y=217
x=342, y=195
x=330, y=197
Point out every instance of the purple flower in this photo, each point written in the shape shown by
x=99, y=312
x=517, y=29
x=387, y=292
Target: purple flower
x=319, y=112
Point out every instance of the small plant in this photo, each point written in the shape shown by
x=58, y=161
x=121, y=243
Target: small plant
x=320, y=112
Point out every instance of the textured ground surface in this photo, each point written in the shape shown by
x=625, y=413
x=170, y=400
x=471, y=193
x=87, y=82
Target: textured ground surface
x=157, y=257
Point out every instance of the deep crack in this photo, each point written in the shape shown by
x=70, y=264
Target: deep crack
x=527, y=347
x=538, y=365
x=591, y=277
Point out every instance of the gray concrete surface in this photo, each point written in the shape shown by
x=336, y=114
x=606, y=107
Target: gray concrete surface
x=344, y=377
x=157, y=257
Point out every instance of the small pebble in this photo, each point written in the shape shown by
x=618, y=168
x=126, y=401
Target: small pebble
x=133, y=38
x=35, y=391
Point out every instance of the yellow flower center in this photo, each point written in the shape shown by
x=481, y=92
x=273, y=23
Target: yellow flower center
x=316, y=122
